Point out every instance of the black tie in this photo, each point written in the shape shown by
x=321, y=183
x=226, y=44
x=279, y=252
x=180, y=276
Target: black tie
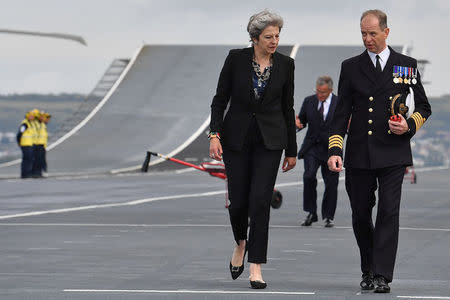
x=321, y=109
x=378, y=65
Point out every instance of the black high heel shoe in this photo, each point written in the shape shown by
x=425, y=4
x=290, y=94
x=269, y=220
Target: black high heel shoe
x=237, y=271
x=257, y=284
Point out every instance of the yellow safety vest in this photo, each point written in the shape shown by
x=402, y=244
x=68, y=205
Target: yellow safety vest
x=29, y=135
x=42, y=134
x=36, y=125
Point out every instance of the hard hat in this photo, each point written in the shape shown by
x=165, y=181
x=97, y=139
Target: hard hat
x=29, y=113
x=36, y=112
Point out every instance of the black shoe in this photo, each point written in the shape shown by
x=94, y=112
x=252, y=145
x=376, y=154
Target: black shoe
x=237, y=271
x=329, y=223
x=381, y=285
x=258, y=284
x=311, y=218
x=367, y=282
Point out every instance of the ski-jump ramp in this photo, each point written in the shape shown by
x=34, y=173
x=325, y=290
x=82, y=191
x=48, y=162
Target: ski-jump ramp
x=162, y=100
x=161, y=103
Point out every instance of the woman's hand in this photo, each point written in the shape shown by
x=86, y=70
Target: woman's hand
x=289, y=163
x=215, y=149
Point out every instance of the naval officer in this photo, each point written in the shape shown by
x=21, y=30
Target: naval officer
x=378, y=149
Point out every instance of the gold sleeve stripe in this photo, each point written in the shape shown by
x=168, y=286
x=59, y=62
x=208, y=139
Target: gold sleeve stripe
x=335, y=145
x=418, y=119
x=336, y=137
x=335, y=141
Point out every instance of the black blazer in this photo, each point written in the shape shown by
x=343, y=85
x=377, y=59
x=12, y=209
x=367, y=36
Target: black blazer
x=316, y=138
x=274, y=112
x=365, y=96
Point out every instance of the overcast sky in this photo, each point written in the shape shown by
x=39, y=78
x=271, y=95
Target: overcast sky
x=115, y=29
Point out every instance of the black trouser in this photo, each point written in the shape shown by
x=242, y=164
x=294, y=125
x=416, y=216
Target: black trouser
x=251, y=176
x=331, y=180
x=27, y=161
x=39, y=160
x=377, y=244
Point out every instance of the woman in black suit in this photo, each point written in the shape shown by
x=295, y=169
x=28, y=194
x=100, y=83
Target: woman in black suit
x=258, y=83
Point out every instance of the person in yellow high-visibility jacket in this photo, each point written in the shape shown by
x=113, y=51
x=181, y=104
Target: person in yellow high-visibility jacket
x=26, y=137
x=40, y=163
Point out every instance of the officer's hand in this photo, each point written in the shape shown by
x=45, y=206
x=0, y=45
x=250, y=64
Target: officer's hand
x=298, y=124
x=398, y=128
x=215, y=149
x=289, y=163
x=335, y=163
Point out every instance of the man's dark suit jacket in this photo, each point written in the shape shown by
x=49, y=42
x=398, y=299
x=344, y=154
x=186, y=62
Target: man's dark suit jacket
x=274, y=111
x=365, y=96
x=316, y=138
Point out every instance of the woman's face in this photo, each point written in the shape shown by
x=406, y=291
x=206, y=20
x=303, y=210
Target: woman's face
x=268, y=40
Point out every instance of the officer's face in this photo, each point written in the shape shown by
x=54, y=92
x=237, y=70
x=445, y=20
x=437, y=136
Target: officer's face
x=373, y=37
x=268, y=40
x=323, y=91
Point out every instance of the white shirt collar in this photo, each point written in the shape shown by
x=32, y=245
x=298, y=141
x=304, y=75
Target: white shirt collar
x=384, y=56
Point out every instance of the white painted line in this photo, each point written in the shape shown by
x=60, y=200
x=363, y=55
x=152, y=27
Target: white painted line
x=42, y=249
x=113, y=225
x=142, y=201
x=298, y=251
x=294, y=51
x=186, y=292
x=128, y=203
x=424, y=297
x=91, y=114
x=188, y=225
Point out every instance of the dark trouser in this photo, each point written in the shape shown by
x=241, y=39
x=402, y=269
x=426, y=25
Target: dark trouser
x=377, y=244
x=251, y=176
x=27, y=161
x=331, y=180
x=39, y=160
x=44, y=160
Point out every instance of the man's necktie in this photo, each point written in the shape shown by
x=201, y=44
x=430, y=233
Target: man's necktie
x=378, y=65
x=321, y=109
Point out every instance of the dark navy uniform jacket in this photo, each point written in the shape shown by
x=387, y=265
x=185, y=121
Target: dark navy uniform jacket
x=365, y=95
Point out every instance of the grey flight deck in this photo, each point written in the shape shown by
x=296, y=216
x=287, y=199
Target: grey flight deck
x=176, y=243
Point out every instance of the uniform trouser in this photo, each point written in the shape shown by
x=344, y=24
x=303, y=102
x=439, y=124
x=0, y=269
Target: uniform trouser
x=331, y=180
x=39, y=160
x=27, y=161
x=377, y=244
x=251, y=176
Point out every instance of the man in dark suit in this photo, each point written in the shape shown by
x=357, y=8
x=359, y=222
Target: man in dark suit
x=378, y=148
x=317, y=111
